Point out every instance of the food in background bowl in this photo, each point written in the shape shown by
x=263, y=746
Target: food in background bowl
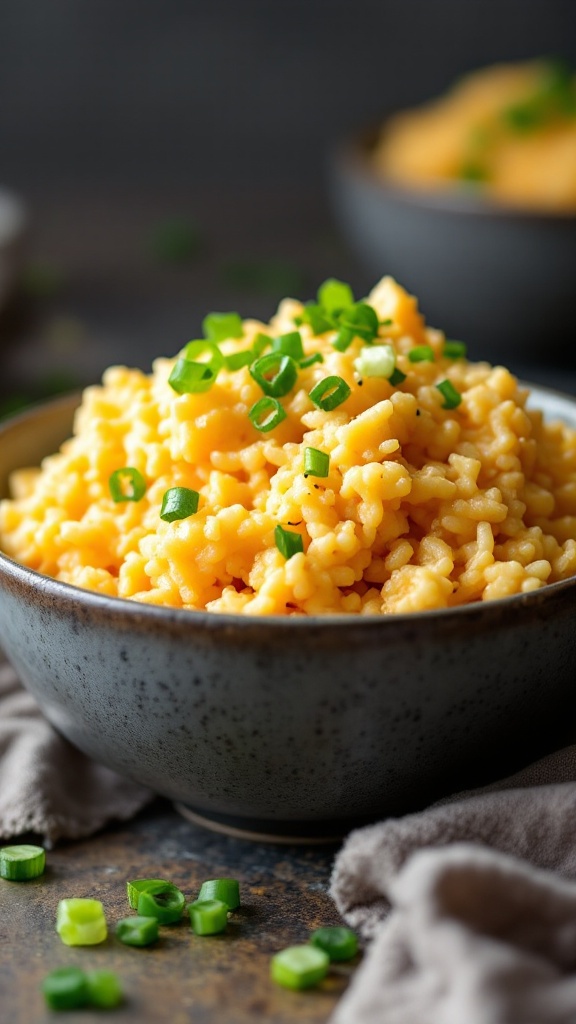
x=508, y=130
x=344, y=458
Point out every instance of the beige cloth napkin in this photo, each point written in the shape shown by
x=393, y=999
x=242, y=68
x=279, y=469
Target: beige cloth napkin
x=46, y=785
x=469, y=918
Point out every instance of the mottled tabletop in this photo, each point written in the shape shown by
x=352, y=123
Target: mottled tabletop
x=222, y=979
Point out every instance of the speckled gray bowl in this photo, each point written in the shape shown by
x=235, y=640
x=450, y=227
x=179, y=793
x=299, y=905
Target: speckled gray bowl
x=499, y=278
x=290, y=726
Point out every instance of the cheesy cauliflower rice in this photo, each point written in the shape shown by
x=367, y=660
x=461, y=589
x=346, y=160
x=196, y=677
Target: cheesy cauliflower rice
x=441, y=487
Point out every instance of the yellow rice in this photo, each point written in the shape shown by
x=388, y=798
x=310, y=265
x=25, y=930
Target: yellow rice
x=424, y=507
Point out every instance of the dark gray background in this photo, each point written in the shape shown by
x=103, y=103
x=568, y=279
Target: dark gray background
x=184, y=91
x=115, y=114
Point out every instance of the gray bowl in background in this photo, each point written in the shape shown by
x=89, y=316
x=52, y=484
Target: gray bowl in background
x=290, y=726
x=501, y=279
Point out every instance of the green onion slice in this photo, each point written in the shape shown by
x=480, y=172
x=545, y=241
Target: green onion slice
x=396, y=377
x=421, y=354
x=21, y=863
x=343, y=339
x=81, y=922
x=179, y=503
x=334, y=296
x=290, y=345
x=317, y=318
x=226, y=890
x=104, y=989
x=189, y=378
x=275, y=373
x=376, y=361
x=205, y=352
x=126, y=484
x=316, y=463
x=220, y=326
x=299, y=967
x=266, y=414
x=455, y=350
x=165, y=902
x=66, y=988
x=361, y=319
x=338, y=942
x=237, y=360
x=137, y=931
x=208, y=917
x=288, y=542
x=316, y=357
x=139, y=885
x=330, y=392
x=450, y=394
x=260, y=344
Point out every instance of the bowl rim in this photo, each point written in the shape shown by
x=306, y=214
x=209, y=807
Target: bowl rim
x=126, y=610
x=351, y=156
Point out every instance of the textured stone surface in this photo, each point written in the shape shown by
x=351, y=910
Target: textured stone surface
x=218, y=980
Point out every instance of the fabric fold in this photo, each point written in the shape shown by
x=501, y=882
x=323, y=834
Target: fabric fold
x=47, y=786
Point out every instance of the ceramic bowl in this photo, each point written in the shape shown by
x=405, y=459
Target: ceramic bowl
x=290, y=727
x=500, y=279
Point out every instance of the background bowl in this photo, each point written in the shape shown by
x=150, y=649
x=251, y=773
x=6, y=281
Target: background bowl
x=500, y=279
x=290, y=726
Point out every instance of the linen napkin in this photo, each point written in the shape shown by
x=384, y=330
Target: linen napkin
x=46, y=785
x=468, y=906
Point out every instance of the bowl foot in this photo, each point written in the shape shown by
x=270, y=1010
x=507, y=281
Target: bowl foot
x=309, y=833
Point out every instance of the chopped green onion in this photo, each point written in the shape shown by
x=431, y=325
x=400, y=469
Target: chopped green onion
x=316, y=357
x=104, y=989
x=126, y=484
x=220, y=326
x=288, y=542
x=387, y=322
x=421, y=354
x=66, y=988
x=454, y=350
x=299, y=967
x=260, y=344
x=377, y=361
x=179, y=503
x=137, y=930
x=275, y=373
x=334, y=296
x=330, y=392
x=81, y=922
x=290, y=345
x=237, y=360
x=225, y=889
x=194, y=351
x=189, y=378
x=316, y=317
x=140, y=885
x=208, y=917
x=343, y=339
x=396, y=377
x=338, y=942
x=164, y=901
x=21, y=863
x=524, y=117
x=266, y=414
x=316, y=463
x=361, y=319
x=452, y=397
x=472, y=171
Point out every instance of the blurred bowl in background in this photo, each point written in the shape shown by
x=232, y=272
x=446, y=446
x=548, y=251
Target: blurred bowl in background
x=501, y=279
x=13, y=224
